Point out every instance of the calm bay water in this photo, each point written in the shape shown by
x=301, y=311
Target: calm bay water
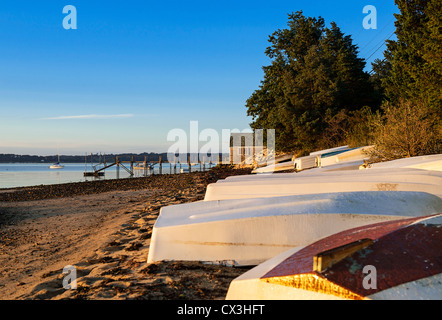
x=32, y=174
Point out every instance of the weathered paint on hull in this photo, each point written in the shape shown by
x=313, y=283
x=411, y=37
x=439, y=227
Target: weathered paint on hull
x=405, y=253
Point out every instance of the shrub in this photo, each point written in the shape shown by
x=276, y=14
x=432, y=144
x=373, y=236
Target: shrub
x=408, y=129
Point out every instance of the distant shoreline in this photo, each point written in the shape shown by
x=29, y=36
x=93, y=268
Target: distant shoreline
x=152, y=157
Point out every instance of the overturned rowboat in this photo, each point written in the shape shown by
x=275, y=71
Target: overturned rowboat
x=250, y=231
x=351, y=155
x=330, y=151
x=321, y=181
x=277, y=167
x=385, y=261
x=430, y=162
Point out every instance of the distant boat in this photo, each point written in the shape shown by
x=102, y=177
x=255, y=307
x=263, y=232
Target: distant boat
x=140, y=166
x=57, y=165
x=189, y=166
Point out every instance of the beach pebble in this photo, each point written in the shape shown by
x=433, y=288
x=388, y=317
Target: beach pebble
x=99, y=269
x=119, y=284
x=141, y=221
x=89, y=281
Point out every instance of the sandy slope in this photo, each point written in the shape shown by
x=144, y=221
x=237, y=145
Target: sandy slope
x=106, y=237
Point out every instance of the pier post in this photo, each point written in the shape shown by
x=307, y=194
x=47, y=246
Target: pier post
x=161, y=166
x=132, y=167
x=145, y=166
x=132, y=164
x=118, y=167
x=188, y=164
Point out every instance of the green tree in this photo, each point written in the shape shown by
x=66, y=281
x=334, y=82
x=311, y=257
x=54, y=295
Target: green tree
x=315, y=73
x=416, y=56
x=353, y=128
x=380, y=71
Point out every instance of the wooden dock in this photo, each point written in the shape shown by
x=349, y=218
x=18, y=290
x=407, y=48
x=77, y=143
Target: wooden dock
x=147, y=166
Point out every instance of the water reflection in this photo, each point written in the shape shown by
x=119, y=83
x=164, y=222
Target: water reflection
x=31, y=174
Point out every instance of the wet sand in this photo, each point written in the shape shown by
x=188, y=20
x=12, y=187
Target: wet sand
x=103, y=229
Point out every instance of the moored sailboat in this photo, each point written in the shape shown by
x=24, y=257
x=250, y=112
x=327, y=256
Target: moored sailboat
x=57, y=165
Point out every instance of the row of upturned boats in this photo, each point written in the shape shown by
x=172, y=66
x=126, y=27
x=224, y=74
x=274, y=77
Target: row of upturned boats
x=335, y=231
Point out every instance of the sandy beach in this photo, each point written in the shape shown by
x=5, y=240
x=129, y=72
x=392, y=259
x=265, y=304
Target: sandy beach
x=103, y=229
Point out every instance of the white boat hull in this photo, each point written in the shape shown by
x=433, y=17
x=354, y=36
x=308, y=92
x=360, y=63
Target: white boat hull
x=337, y=149
x=321, y=181
x=347, y=156
x=304, y=163
x=290, y=165
x=430, y=162
x=247, y=232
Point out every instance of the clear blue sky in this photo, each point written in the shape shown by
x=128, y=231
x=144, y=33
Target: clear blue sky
x=133, y=70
